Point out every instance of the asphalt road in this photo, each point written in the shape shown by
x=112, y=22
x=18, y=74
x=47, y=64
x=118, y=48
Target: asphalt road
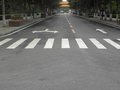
x=80, y=56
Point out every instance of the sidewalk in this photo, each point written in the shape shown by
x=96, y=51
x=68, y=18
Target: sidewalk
x=4, y=30
x=112, y=24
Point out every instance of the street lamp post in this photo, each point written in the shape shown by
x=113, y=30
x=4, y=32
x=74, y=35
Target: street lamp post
x=3, y=11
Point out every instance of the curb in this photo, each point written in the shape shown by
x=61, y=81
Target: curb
x=23, y=27
x=102, y=22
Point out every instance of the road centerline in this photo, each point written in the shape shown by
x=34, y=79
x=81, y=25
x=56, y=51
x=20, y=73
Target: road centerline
x=70, y=25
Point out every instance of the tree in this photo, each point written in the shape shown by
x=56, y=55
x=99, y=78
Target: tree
x=29, y=6
x=110, y=7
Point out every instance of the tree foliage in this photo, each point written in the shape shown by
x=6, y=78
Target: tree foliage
x=112, y=6
x=22, y=6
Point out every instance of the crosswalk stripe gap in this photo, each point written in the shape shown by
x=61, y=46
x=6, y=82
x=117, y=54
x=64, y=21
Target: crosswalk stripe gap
x=97, y=44
x=65, y=43
x=49, y=43
x=5, y=41
x=33, y=44
x=17, y=43
x=114, y=44
x=81, y=43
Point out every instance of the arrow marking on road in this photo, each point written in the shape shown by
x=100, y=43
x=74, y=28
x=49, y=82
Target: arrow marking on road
x=102, y=31
x=46, y=30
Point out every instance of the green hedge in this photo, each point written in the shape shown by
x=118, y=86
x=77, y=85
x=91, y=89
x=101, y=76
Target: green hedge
x=15, y=17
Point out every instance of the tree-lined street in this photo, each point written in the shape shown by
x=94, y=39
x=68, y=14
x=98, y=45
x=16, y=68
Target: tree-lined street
x=61, y=51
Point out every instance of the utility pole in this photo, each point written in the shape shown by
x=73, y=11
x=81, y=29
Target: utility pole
x=3, y=12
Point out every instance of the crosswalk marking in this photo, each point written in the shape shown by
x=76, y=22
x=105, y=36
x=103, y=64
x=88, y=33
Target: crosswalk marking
x=17, y=43
x=5, y=41
x=49, y=44
x=33, y=44
x=114, y=44
x=65, y=43
x=97, y=44
x=81, y=44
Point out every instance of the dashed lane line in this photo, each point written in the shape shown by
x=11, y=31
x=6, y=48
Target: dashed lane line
x=72, y=29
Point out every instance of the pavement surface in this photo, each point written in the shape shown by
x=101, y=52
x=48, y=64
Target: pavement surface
x=81, y=55
x=113, y=23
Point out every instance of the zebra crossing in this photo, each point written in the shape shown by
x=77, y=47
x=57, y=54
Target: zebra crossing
x=65, y=43
x=33, y=43
x=49, y=43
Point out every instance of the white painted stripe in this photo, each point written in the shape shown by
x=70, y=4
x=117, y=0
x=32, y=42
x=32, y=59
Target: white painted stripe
x=65, y=43
x=73, y=31
x=97, y=44
x=16, y=44
x=20, y=29
x=118, y=39
x=33, y=44
x=67, y=20
x=5, y=41
x=71, y=26
x=49, y=43
x=114, y=44
x=102, y=31
x=81, y=44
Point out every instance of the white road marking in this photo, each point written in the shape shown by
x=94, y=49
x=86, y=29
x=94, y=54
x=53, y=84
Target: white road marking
x=73, y=31
x=33, y=44
x=17, y=43
x=65, y=43
x=67, y=19
x=97, y=44
x=70, y=25
x=49, y=43
x=118, y=39
x=114, y=44
x=81, y=44
x=5, y=41
x=47, y=30
x=102, y=31
x=20, y=29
